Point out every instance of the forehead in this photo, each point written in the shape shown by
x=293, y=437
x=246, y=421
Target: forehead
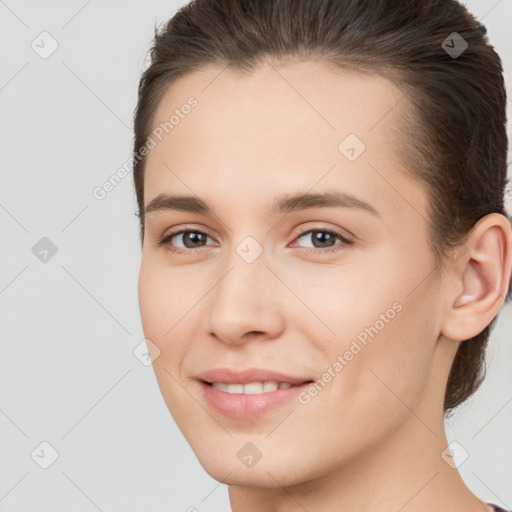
x=279, y=127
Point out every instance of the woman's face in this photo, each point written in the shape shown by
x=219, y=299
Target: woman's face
x=265, y=282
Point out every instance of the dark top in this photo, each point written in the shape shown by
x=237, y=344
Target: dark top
x=496, y=508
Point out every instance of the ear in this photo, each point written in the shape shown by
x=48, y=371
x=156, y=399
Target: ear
x=482, y=277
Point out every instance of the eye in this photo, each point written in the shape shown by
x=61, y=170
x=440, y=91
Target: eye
x=323, y=243
x=195, y=239
x=190, y=239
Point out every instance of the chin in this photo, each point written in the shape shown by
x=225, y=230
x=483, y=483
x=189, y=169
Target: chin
x=226, y=464
x=262, y=476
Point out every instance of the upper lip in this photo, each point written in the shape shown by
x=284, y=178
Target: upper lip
x=228, y=376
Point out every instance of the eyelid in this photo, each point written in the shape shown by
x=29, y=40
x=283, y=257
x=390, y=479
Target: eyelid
x=346, y=242
x=318, y=227
x=298, y=233
x=187, y=227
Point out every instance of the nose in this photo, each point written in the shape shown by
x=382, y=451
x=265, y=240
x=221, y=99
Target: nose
x=246, y=303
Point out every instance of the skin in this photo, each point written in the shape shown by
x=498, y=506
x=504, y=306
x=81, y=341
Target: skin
x=372, y=439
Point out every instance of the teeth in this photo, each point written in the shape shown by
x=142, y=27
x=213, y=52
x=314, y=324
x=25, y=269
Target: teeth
x=269, y=386
x=252, y=387
x=235, y=388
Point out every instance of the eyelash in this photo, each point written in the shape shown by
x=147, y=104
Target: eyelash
x=308, y=250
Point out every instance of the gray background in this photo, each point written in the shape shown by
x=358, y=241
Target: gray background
x=69, y=325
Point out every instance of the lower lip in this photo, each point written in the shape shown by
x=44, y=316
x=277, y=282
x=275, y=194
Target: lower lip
x=241, y=405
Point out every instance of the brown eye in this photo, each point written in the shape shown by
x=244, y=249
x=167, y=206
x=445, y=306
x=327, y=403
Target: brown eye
x=324, y=240
x=186, y=239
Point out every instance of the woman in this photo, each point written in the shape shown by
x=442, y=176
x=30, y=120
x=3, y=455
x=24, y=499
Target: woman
x=325, y=246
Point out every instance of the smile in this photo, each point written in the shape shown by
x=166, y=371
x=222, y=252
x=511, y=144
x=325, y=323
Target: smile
x=252, y=387
x=249, y=400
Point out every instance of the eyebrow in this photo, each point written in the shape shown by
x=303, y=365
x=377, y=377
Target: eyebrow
x=284, y=204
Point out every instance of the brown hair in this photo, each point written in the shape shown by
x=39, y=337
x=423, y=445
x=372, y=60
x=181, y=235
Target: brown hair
x=452, y=133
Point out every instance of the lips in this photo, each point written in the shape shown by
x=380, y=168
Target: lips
x=237, y=404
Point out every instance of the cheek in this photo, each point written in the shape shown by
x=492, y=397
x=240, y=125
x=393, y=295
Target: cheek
x=394, y=367
x=385, y=336
x=161, y=304
x=151, y=299
x=160, y=309
x=373, y=394
x=166, y=302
